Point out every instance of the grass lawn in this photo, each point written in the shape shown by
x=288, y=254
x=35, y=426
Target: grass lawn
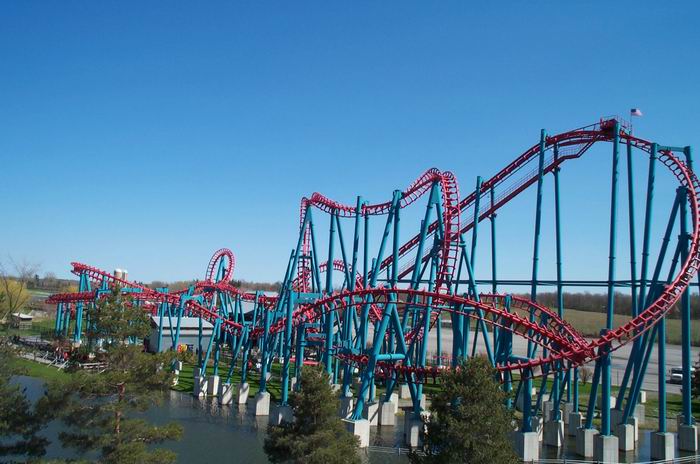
x=38, y=327
x=39, y=370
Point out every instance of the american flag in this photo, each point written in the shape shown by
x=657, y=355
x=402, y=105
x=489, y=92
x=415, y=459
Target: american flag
x=636, y=112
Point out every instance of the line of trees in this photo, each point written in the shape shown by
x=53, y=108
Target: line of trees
x=246, y=285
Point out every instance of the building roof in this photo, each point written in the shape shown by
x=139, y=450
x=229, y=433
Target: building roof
x=185, y=323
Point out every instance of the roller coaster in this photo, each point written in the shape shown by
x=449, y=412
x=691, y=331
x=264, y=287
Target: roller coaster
x=375, y=329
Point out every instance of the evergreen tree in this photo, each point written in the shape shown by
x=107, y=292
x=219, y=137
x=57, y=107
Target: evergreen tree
x=20, y=421
x=317, y=435
x=468, y=421
x=101, y=410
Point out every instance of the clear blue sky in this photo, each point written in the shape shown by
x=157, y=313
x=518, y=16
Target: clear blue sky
x=145, y=135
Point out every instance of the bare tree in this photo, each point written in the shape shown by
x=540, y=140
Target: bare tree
x=14, y=276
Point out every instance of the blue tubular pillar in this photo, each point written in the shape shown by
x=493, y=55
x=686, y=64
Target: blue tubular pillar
x=59, y=317
x=685, y=306
x=492, y=218
x=287, y=348
x=661, y=340
x=633, y=274
x=356, y=243
x=647, y=228
x=330, y=315
x=526, y=391
x=685, y=320
x=536, y=247
x=477, y=201
x=395, y=243
x=560, y=287
x=466, y=321
x=606, y=390
x=83, y=287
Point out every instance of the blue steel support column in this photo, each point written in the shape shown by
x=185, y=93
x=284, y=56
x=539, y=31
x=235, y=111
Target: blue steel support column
x=590, y=412
x=560, y=288
x=59, y=317
x=494, y=285
x=466, y=321
x=287, y=347
x=477, y=201
x=647, y=227
x=635, y=359
x=685, y=318
x=536, y=247
x=426, y=324
x=643, y=354
x=83, y=287
x=356, y=243
x=605, y=404
x=661, y=340
x=492, y=218
x=268, y=338
x=633, y=271
x=330, y=315
x=526, y=391
x=685, y=306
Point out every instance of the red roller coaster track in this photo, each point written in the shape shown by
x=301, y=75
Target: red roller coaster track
x=563, y=343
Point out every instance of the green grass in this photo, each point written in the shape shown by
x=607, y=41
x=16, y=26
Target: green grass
x=39, y=370
x=38, y=327
x=186, y=379
x=590, y=323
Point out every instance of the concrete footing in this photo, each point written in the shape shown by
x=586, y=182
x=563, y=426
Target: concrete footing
x=584, y=442
x=412, y=429
x=262, y=404
x=225, y=393
x=281, y=414
x=394, y=398
x=605, y=449
x=387, y=413
x=243, y=392
x=527, y=445
x=642, y=398
x=548, y=411
x=213, y=385
x=688, y=438
x=359, y=428
x=554, y=433
x=568, y=409
x=371, y=413
x=575, y=420
x=634, y=422
x=537, y=425
x=663, y=446
x=404, y=392
x=347, y=403
x=625, y=436
x=200, y=387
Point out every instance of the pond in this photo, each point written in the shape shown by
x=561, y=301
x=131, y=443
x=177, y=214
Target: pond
x=212, y=433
